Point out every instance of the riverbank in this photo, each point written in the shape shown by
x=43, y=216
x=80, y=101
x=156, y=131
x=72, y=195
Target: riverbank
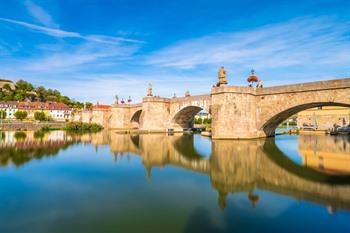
x=27, y=126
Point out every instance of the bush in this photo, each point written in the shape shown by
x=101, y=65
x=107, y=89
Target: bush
x=40, y=116
x=83, y=127
x=198, y=121
x=205, y=121
x=20, y=115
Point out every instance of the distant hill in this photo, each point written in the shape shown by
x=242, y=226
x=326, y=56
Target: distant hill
x=25, y=91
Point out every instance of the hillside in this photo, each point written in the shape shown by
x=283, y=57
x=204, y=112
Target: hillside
x=25, y=91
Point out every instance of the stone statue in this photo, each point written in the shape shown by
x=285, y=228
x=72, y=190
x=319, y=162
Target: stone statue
x=260, y=84
x=149, y=90
x=222, y=77
x=116, y=99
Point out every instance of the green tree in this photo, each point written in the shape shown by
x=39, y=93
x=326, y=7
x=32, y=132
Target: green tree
x=20, y=115
x=40, y=116
x=24, y=86
x=3, y=114
x=205, y=121
x=198, y=121
x=88, y=105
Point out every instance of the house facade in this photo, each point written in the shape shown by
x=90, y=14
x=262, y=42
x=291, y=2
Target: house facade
x=53, y=110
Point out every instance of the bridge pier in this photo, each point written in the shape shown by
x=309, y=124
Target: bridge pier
x=155, y=114
x=234, y=113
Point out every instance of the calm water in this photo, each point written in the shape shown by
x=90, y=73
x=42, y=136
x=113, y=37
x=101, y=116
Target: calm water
x=110, y=182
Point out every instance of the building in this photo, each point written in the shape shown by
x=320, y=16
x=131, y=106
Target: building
x=324, y=117
x=56, y=111
x=10, y=107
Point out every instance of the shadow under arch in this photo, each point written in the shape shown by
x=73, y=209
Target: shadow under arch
x=135, y=119
x=185, y=116
x=281, y=159
x=271, y=124
x=135, y=139
x=185, y=146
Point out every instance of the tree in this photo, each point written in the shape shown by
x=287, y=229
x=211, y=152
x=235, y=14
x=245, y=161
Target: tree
x=3, y=114
x=205, y=121
x=88, y=105
x=40, y=116
x=20, y=115
x=199, y=121
x=24, y=86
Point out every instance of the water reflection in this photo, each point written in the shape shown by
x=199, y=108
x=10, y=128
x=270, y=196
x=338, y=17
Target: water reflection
x=19, y=148
x=233, y=167
x=327, y=154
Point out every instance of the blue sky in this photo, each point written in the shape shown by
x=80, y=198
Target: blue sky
x=92, y=50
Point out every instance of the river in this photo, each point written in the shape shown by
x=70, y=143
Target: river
x=110, y=182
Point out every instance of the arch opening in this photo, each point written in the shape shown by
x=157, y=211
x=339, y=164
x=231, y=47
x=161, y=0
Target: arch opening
x=184, y=118
x=271, y=124
x=135, y=119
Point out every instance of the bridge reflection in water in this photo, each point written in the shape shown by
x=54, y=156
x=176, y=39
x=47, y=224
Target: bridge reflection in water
x=246, y=165
x=234, y=166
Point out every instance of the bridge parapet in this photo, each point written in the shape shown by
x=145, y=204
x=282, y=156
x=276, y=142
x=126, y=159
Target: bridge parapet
x=136, y=105
x=191, y=98
x=303, y=87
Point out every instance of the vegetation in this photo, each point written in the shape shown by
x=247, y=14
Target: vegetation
x=79, y=127
x=198, y=121
x=203, y=121
x=40, y=116
x=25, y=91
x=3, y=114
x=21, y=115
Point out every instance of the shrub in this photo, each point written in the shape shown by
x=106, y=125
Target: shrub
x=83, y=127
x=40, y=116
x=20, y=115
x=198, y=121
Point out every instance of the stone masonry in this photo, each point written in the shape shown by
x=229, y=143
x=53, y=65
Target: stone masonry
x=237, y=112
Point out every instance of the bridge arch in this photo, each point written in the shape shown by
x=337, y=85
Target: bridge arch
x=135, y=119
x=278, y=116
x=184, y=117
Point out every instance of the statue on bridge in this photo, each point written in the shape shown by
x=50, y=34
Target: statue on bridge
x=149, y=90
x=253, y=78
x=222, y=77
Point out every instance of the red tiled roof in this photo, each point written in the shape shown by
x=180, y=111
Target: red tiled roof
x=101, y=106
x=6, y=104
x=42, y=106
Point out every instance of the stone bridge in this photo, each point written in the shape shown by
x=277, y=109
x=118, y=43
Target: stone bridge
x=237, y=112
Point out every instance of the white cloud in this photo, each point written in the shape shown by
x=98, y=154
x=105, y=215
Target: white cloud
x=69, y=59
x=303, y=41
x=40, y=14
x=54, y=32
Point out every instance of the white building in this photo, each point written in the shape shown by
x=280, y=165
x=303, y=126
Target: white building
x=10, y=107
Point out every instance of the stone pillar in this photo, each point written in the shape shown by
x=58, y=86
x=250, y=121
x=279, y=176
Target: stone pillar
x=155, y=114
x=120, y=117
x=234, y=113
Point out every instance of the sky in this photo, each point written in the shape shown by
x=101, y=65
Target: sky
x=92, y=50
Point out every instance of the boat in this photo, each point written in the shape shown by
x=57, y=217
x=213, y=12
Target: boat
x=344, y=129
